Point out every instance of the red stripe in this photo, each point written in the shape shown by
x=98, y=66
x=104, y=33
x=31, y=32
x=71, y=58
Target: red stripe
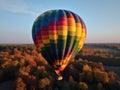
x=62, y=19
x=52, y=27
x=44, y=28
x=38, y=38
x=70, y=15
x=84, y=28
x=62, y=23
x=44, y=32
x=52, y=33
x=52, y=23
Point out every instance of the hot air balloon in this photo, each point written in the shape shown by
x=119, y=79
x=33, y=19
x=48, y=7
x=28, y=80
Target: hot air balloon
x=58, y=35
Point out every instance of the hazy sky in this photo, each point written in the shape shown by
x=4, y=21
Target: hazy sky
x=102, y=18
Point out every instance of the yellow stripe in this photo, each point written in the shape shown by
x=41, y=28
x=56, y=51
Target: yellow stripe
x=80, y=35
x=46, y=41
x=62, y=32
x=81, y=41
x=83, y=35
x=78, y=31
x=80, y=45
x=71, y=21
x=53, y=37
x=71, y=28
x=71, y=33
x=78, y=25
x=67, y=58
x=64, y=65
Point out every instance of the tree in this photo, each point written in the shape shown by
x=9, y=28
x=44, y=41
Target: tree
x=82, y=86
x=86, y=68
x=99, y=86
x=112, y=76
x=31, y=82
x=20, y=85
x=43, y=83
x=101, y=76
x=70, y=79
x=88, y=76
x=116, y=85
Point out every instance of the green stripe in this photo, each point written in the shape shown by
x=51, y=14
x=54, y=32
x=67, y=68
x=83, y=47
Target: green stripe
x=69, y=45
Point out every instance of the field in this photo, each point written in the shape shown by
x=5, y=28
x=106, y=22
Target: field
x=108, y=54
x=96, y=66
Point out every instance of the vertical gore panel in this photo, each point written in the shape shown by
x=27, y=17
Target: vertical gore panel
x=62, y=33
x=78, y=33
x=82, y=39
x=53, y=34
x=46, y=50
x=71, y=33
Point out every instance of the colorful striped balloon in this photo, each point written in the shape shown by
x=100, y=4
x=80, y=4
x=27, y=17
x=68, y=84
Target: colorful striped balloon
x=58, y=35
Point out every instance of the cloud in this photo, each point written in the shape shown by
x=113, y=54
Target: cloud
x=17, y=6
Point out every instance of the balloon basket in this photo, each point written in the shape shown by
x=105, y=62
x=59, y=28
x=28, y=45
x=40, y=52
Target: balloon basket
x=59, y=77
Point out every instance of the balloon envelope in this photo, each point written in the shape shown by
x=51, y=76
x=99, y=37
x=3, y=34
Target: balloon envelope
x=58, y=35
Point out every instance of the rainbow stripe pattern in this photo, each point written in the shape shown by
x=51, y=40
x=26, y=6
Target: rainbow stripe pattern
x=58, y=35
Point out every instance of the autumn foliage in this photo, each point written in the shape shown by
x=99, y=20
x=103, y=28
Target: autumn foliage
x=30, y=71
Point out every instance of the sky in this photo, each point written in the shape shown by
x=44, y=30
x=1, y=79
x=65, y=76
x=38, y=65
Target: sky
x=101, y=17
